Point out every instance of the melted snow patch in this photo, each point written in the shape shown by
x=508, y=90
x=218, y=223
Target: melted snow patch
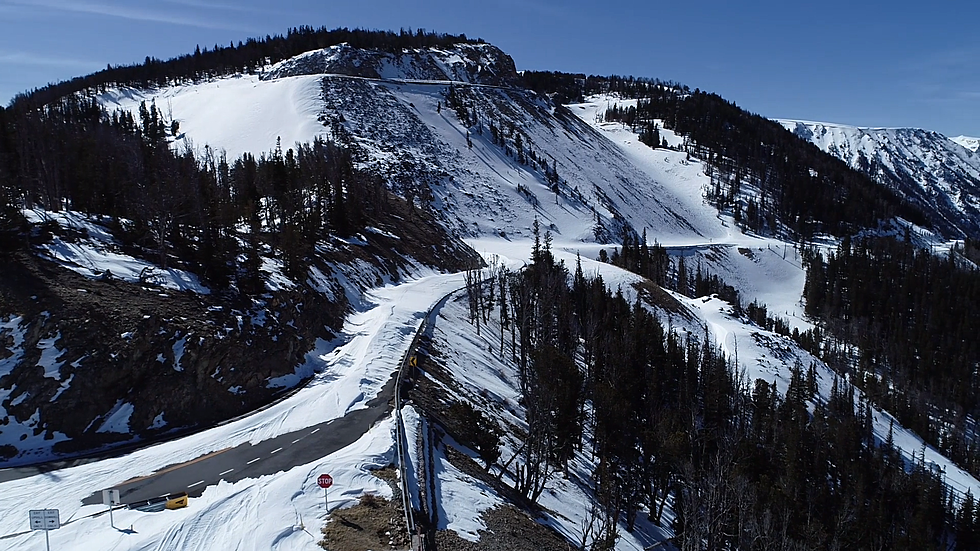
x=158, y=422
x=178, y=349
x=64, y=386
x=12, y=327
x=12, y=330
x=276, y=280
x=49, y=357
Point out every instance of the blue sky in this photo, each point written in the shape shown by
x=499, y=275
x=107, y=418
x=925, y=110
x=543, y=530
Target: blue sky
x=858, y=62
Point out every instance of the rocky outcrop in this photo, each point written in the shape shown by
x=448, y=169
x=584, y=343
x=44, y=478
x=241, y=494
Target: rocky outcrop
x=470, y=63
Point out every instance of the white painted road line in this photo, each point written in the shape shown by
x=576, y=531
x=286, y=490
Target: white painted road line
x=297, y=440
x=196, y=483
x=315, y=431
x=253, y=461
x=275, y=450
x=226, y=472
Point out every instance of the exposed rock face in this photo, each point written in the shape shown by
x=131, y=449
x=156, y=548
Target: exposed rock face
x=472, y=63
x=170, y=359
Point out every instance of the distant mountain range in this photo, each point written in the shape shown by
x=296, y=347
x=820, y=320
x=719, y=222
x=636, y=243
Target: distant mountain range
x=973, y=144
x=940, y=175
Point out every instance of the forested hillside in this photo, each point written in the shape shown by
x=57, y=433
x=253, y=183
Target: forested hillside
x=275, y=244
x=249, y=56
x=909, y=318
x=923, y=166
x=668, y=418
x=899, y=317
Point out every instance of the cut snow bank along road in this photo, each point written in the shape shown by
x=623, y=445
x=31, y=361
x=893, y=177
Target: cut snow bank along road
x=253, y=460
x=401, y=309
x=351, y=391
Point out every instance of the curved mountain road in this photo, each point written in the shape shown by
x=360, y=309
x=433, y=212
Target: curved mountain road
x=281, y=453
x=253, y=460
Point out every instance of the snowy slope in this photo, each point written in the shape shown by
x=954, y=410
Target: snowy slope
x=282, y=511
x=237, y=114
x=923, y=166
x=470, y=63
x=490, y=384
x=973, y=144
x=409, y=134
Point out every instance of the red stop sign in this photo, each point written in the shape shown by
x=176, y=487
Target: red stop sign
x=325, y=481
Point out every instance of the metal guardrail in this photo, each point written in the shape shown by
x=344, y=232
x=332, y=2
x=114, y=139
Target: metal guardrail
x=418, y=542
x=400, y=445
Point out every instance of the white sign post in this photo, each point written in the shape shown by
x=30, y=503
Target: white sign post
x=45, y=519
x=110, y=498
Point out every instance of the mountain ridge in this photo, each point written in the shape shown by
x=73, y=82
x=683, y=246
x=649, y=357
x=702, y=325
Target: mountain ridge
x=925, y=166
x=973, y=144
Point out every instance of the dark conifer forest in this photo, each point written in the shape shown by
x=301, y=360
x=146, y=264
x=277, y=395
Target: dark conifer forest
x=910, y=317
x=74, y=154
x=670, y=420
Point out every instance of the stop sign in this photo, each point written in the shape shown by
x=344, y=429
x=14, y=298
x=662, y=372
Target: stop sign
x=325, y=481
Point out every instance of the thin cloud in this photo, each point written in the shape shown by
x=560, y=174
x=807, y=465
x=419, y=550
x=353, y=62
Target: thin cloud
x=35, y=59
x=133, y=13
x=945, y=76
x=219, y=6
x=949, y=64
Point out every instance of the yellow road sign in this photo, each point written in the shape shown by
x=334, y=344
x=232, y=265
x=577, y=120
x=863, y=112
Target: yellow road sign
x=177, y=502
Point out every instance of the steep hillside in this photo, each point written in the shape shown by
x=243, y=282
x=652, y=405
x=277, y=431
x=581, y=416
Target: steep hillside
x=486, y=160
x=103, y=346
x=925, y=167
x=468, y=63
x=769, y=180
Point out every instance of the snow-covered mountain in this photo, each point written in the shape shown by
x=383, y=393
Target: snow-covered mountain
x=396, y=109
x=449, y=129
x=939, y=174
x=469, y=63
x=973, y=144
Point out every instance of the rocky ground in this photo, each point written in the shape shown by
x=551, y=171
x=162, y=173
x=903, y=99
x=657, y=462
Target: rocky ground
x=374, y=524
x=180, y=360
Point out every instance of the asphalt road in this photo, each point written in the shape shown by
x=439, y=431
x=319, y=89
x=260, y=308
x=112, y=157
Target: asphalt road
x=251, y=461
